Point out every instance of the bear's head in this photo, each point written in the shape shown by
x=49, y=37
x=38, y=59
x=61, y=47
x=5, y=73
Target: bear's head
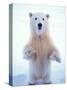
x=39, y=23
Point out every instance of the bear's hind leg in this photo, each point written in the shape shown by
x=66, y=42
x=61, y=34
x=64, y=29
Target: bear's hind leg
x=32, y=80
x=46, y=80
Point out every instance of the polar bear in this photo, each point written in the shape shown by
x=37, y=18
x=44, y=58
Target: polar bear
x=40, y=49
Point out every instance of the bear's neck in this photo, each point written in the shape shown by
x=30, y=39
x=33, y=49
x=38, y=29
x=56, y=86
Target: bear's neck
x=43, y=36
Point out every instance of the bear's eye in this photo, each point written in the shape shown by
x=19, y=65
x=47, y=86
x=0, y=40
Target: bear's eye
x=35, y=18
x=43, y=19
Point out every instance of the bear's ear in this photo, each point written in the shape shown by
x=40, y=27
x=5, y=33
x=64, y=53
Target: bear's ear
x=30, y=14
x=47, y=15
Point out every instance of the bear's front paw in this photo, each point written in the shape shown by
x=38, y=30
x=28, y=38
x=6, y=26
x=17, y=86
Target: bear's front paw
x=55, y=56
x=28, y=52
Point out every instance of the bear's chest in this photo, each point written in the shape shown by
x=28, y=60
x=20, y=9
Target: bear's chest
x=41, y=47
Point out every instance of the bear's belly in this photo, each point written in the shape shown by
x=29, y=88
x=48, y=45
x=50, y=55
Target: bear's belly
x=39, y=68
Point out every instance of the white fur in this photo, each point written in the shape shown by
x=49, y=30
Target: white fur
x=28, y=52
x=39, y=69
x=55, y=56
x=34, y=23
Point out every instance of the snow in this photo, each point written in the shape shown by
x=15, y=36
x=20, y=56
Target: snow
x=57, y=75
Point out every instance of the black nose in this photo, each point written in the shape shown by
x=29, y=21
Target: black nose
x=39, y=24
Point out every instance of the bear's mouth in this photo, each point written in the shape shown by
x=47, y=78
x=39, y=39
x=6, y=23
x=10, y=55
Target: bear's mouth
x=39, y=28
